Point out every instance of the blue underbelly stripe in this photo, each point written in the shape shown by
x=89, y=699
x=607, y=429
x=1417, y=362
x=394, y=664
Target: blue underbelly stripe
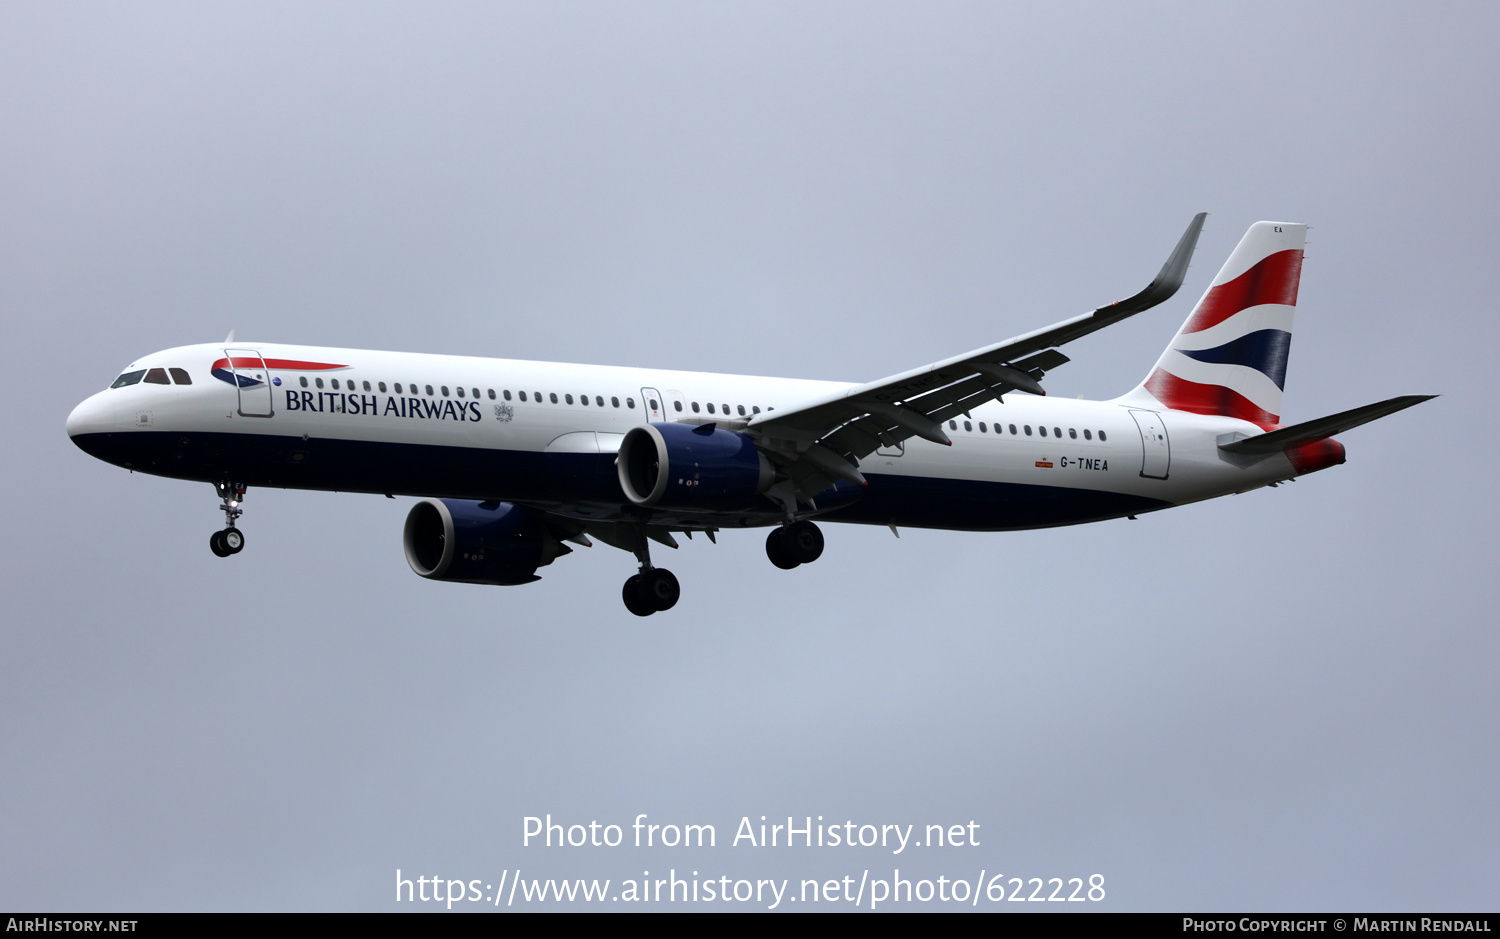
x=578, y=478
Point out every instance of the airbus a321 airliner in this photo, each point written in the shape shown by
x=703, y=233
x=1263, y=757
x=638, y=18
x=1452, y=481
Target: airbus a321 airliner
x=513, y=460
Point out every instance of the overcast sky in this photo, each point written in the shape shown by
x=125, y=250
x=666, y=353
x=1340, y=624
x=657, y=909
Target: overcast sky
x=1283, y=700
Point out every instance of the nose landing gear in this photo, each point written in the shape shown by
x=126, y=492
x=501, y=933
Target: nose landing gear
x=226, y=542
x=231, y=540
x=795, y=544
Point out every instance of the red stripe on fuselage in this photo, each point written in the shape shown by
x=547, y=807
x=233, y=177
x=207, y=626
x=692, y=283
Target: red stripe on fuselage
x=1273, y=280
x=242, y=361
x=1179, y=394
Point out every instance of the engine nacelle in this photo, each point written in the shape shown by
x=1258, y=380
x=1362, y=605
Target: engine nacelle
x=692, y=466
x=477, y=542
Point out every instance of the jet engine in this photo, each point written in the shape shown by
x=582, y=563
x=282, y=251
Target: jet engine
x=478, y=542
x=692, y=466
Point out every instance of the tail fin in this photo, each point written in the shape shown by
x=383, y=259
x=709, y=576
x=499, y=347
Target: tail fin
x=1229, y=358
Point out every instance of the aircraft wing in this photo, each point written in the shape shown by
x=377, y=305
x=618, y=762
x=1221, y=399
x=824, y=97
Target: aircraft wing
x=823, y=440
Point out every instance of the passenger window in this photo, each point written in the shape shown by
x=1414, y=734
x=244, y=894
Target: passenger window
x=443, y=389
x=1072, y=434
x=429, y=390
x=630, y=403
x=523, y=395
x=754, y=409
x=476, y=392
x=157, y=376
x=129, y=378
x=968, y=427
x=599, y=401
x=553, y=397
x=538, y=396
x=367, y=386
x=677, y=405
x=1012, y=428
x=741, y=409
x=318, y=382
x=981, y=427
x=1057, y=432
x=710, y=407
x=180, y=376
x=398, y=386
x=381, y=386
x=725, y=408
x=1042, y=431
x=335, y=383
x=568, y=398
x=1028, y=429
x=613, y=401
x=461, y=391
x=695, y=407
x=1101, y=436
x=953, y=425
x=507, y=393
x=492, y=394
x=1087, y=435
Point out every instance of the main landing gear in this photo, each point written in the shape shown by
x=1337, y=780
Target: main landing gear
x=231, y=540
x=794, y=544
x=651, y=591
x=654, y=589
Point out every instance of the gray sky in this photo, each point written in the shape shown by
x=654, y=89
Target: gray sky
x=1283, y=700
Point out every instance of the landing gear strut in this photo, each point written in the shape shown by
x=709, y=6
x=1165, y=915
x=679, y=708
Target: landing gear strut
x=653, y=590
x=794, y=544
x=231, y=540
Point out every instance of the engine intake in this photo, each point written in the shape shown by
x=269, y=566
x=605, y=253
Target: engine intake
x=477, y=542
x=692, y=466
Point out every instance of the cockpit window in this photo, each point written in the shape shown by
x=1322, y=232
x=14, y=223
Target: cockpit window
x=158, y=376
x=129, y=378
x=180, y=376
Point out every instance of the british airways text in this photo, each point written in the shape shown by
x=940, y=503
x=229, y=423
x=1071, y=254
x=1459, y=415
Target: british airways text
x=337, y=403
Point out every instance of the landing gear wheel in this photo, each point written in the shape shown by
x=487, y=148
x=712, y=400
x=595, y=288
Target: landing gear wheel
x=233, y=540
x=635, y=598
x=216, y=545
x=803, y=541
x=659, y=587
x=776, y=550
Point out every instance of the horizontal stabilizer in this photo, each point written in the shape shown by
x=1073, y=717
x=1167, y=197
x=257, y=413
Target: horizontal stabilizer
x=1324, y=427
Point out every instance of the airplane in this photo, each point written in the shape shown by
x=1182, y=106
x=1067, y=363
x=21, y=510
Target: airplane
x=512, y=461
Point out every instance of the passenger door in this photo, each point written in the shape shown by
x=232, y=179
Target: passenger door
x=1156, y=449
x=252, y=382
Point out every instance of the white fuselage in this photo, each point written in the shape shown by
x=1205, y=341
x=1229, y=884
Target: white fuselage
x=292, y=427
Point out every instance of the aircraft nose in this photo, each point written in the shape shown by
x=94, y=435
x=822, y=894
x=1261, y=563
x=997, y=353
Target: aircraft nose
x=89, y=417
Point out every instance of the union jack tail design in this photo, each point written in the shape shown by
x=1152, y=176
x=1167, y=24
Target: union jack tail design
x=1229, y=358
